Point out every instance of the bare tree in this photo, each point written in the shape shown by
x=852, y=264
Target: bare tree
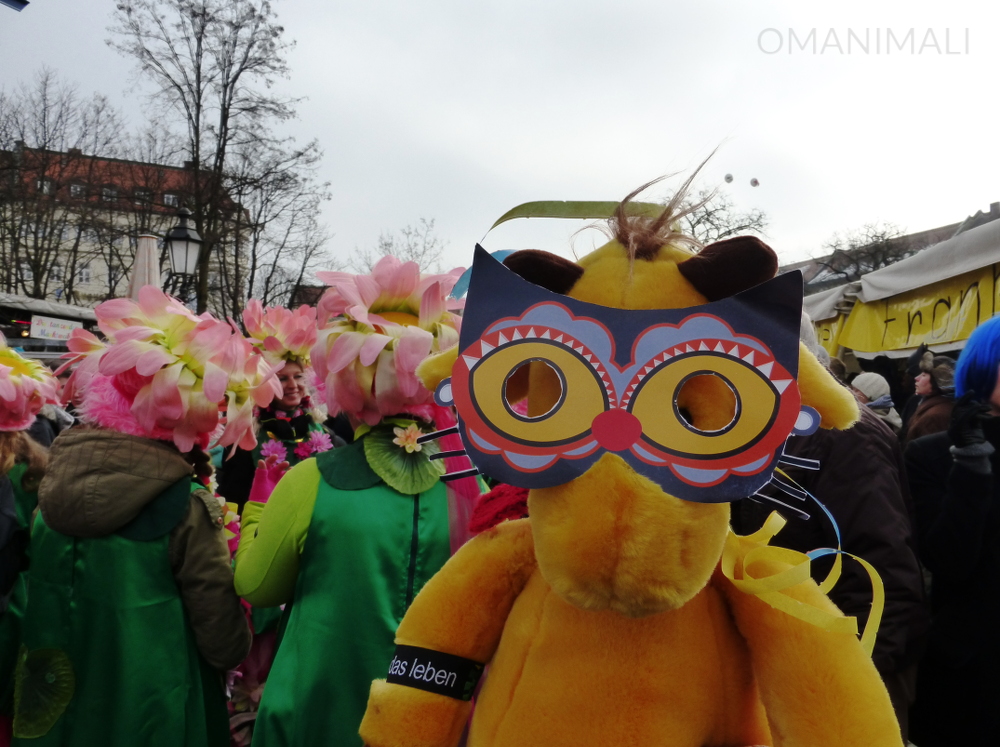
x=213, y=63
x=47, y=214
x=864, y=250
x=717, y=218
x=418, y=244
x=275, y=239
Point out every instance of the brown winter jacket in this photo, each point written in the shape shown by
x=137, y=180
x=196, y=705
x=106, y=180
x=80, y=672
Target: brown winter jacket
x=99, y=480
x=933, y=415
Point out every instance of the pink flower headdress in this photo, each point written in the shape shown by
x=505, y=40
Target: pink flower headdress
x=282, y=334
x=375, y=330
x=166, y=373
x=25, y=386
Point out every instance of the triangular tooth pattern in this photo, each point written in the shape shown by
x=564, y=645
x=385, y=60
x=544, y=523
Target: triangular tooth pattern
x=766, y=368
x=749, y=357
x=502, y=340
x=546, y=335
x=647, y=369
x=703, y=346
x=559, y=338
x=688, y=349
x=588, y=357
x=531, y=332
x=517, y=335
x=782, y=385
x=486, y=347
x=718, y=348
x=735, y=351
x=470, y=361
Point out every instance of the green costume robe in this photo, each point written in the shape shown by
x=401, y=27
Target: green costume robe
x=349, y=553
x=10, y=622
x=105, y=612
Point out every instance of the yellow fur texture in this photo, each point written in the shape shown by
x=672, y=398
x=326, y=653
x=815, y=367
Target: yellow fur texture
x=605, y=618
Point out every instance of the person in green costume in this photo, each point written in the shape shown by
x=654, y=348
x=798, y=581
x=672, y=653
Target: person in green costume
x=132, y=618
x=22, y=463
x=349, y=537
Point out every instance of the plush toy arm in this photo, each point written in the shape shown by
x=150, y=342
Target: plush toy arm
x=818, y=688
x=436, y=368
x=836, y=405
x=460, y=611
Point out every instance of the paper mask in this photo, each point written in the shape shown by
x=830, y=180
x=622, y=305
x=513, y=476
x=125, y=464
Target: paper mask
x=621, y=373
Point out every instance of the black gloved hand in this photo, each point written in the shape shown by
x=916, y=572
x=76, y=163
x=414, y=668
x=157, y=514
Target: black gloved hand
x=967, y=419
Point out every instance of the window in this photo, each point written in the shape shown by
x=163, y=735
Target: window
x=83, y=273
x=77, y=191
x=46, y=186
x=109, y=194
x=27, y=274
x=171, y=200
x=142, y=196
x=55, y=274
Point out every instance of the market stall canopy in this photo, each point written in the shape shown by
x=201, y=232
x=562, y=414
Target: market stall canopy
x=823, y=305
x=971, y=250
x=48, y=308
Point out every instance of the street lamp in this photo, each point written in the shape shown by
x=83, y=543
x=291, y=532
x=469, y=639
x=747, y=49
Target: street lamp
x=183, y=245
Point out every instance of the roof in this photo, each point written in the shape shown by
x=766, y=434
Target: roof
x=970, y=250
x=47, y=308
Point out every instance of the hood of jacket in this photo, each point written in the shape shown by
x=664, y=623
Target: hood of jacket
x=99, y=480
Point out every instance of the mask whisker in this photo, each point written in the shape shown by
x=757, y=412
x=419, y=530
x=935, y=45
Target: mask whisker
x=446, y=454
x=460, y=474
x=762, y=498
x=435, y=435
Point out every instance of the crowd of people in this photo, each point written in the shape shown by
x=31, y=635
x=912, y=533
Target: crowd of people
x=203, y=533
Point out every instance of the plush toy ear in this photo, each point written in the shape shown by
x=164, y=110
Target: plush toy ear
x=730, y=266
x=550, y=271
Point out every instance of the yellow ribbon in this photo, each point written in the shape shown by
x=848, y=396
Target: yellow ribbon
x=771, y=588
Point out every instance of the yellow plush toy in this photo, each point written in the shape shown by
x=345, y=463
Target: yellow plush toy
x=618, y=614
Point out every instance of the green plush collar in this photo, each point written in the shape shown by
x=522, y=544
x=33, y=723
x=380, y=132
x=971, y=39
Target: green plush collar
x=346, y=468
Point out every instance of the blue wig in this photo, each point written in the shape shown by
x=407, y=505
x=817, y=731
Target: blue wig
x=977, y=365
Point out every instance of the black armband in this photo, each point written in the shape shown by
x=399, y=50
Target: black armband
x=435, y=672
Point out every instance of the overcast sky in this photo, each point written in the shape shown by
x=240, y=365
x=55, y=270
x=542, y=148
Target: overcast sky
x=458, y=110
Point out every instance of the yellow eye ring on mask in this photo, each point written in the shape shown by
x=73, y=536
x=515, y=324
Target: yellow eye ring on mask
x=583, y=396
x=665, y=428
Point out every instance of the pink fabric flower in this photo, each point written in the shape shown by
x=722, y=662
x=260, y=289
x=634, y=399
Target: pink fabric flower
x=320, y=441
x=282, y=334
x=374, y=332
x=25, y=387
x=304, y=450
x=178, y=372
x=274, y=448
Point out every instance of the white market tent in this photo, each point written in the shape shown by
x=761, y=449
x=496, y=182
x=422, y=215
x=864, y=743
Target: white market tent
x=970, y=250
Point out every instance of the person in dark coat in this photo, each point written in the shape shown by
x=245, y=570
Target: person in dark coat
x=861, y=482
x=936, y=386
x=957, y=500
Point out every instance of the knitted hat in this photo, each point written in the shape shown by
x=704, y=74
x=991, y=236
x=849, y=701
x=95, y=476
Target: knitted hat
x=25, y=386
x=872, y=385
x=942, y=371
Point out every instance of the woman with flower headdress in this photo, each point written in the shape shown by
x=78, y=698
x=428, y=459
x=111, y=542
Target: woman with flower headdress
x=25, y=387
x=287, y=428
x=132, y=616
x=349, y=537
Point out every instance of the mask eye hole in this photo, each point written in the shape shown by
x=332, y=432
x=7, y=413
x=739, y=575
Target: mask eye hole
x=707, y=403
x=547, y=389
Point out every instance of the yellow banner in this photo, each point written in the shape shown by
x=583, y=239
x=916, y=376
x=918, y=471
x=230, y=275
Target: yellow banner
x=828, y=331
x=946, y=311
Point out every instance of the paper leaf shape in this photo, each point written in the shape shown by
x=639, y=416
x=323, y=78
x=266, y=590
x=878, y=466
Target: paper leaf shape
x=43, y=688
x=578, y=210
x=409, y=473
